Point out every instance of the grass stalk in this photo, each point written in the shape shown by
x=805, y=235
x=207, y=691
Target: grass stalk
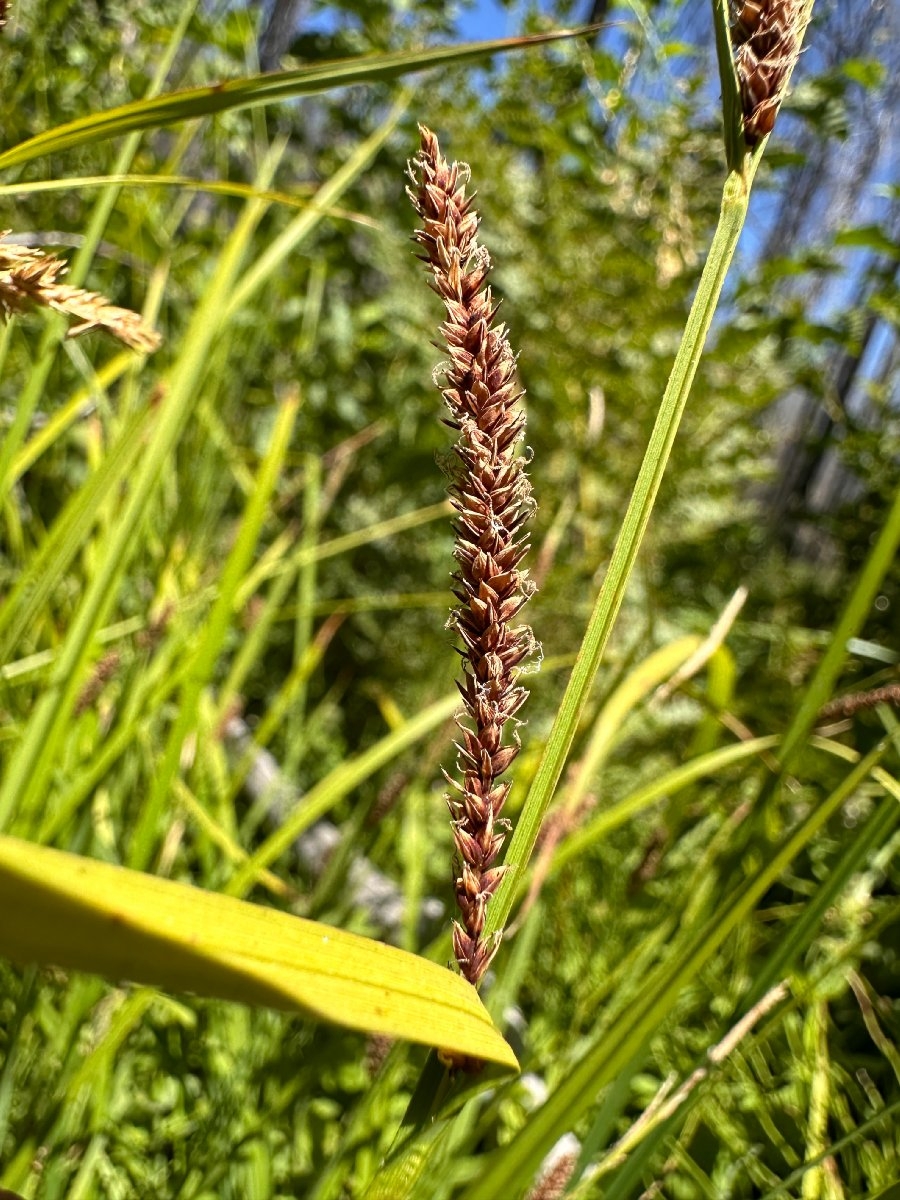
x=578, y=1090
x=733, y=213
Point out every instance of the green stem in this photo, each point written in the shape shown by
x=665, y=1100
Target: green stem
x=731, y=220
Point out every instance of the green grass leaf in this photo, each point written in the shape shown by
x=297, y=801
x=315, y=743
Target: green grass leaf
x=735, y=199
x=191, y=103
x=26, y=772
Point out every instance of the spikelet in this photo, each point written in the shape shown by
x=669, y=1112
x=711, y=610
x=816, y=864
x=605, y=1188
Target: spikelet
x=766, y=37
x=29, y=278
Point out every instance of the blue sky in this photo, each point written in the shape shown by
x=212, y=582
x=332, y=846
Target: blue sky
x=486, y=20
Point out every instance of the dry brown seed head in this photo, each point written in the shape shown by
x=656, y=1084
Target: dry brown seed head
x=491, y=495
x=766, y=36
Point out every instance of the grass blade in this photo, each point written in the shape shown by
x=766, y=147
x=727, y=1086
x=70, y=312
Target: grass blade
x=215, y=631
x=606, y=609
x=191, y=103
x=322, y=798
x=32, y=764
x=91, y=916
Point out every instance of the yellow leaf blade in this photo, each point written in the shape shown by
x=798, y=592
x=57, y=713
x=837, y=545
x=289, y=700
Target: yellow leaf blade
x=70, y=911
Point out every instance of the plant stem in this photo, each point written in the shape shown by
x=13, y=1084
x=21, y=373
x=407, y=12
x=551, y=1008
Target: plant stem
x=733, y=212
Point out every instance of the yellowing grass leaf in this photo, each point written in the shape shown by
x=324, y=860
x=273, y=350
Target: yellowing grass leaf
x=69, y=911
x=636, y=686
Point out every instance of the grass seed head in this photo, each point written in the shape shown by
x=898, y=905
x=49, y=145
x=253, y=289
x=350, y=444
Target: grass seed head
x=492, y=498
x=30, y=278
x=766, y=36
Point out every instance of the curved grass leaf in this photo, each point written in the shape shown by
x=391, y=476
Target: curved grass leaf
x=858, y=605
x=70, y=911
x=874, y=833
x=666, y=786
x=634, y=689
x=191, y=103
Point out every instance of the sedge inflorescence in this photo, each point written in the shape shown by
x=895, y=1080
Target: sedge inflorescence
x=492, y=498
x=766, y=36
x=29, y=278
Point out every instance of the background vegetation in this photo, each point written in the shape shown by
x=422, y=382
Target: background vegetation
x=193, y=732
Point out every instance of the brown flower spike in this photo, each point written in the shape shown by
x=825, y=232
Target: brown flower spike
x=492, y=497
x=30, y=278
x=766, y=37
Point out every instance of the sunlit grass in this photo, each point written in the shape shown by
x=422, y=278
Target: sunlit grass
x=223, y=661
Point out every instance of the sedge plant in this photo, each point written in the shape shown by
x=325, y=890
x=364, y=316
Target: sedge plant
x=140, y=839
